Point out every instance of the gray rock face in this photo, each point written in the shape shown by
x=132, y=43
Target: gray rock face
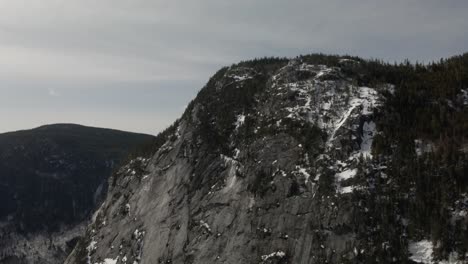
x=280, y=192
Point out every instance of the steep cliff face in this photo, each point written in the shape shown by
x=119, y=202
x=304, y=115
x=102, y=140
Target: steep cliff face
x=271, y=163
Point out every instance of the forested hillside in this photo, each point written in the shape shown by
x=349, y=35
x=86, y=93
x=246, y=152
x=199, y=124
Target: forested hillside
x=51, y=180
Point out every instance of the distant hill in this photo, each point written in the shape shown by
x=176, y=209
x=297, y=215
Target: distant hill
x=55, y=174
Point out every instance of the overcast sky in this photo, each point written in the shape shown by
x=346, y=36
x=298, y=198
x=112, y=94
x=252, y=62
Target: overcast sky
x=135, y=64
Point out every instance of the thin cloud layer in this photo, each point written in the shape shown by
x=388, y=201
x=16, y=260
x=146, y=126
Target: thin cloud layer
x=172, y=47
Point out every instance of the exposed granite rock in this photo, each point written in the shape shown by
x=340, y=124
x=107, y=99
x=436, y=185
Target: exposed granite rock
x=278, y=189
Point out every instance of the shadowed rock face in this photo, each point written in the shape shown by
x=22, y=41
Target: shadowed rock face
x=51, y=179
x=271, y=163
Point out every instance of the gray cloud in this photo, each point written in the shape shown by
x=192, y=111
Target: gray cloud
x=147, y=58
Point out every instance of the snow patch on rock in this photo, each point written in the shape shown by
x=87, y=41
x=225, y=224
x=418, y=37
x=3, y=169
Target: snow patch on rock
x=368, y=133
x=347, y=174
x=421, y=251
x=278, y=254
x=110, y=261
x=343, y=176
x=240, y=120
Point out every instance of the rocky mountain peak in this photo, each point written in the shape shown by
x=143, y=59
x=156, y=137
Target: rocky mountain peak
x=273, y=162
x=256, y=158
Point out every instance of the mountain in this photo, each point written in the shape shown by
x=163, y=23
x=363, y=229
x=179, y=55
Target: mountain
x=51, y=180
x=316, y=159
